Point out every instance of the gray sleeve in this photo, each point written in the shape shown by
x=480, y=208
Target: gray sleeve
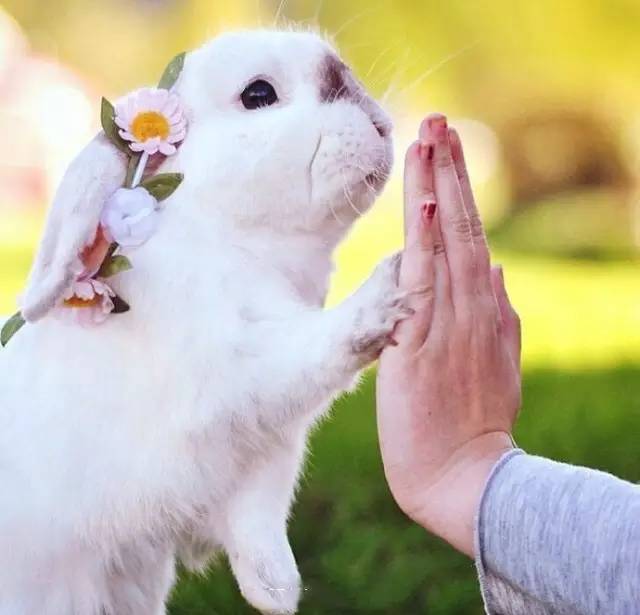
x=556, y=539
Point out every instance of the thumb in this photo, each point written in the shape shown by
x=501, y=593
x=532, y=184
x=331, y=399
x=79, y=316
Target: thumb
x=510, y=321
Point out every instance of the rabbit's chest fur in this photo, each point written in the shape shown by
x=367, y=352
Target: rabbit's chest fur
x=181, y=415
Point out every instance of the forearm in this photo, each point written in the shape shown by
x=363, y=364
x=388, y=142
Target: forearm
x=554, y=538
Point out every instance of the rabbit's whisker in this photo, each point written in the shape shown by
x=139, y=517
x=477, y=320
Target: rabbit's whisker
x=335, y=215
x=347, y=194
x=279, y=11
x=379, y=78
x=365, y=181
x=316, y=15
x=436, y=67
x=396, y=77
x=357, y=17
x=377, y=59
x=337, y=93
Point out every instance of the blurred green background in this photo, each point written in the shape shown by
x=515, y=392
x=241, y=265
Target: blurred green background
x=546, y=95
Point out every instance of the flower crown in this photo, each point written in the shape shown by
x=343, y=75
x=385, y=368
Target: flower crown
x=147, y=122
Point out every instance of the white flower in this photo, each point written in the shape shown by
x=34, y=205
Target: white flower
x=130, y=216
x=152, y=119
x=87, y=302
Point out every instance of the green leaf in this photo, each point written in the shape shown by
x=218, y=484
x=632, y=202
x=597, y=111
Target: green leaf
x=11, y=327
x=172, y=72
x=113, y=265
x=120, y=306
x=163, y=185
x=107, y=115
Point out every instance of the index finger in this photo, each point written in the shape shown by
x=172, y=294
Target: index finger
x=454, y=221
x=417, y=271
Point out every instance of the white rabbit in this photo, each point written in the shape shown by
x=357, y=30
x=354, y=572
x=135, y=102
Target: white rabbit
x=179, y=428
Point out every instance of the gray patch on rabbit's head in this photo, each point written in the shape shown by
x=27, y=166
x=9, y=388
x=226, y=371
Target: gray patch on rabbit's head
x=333, y=85
x=337, y=82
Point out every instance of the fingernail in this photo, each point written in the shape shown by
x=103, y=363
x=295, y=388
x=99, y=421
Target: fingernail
x=439, y=128
x=428, y=212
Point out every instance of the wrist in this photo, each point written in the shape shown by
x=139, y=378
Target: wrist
x=450, y=504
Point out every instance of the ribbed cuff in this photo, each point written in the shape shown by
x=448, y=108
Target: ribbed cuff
x=477, y=539
x=501, y=597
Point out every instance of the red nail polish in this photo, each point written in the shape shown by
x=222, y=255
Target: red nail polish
x=430, y=153
x=428, y=212
x=440, y=128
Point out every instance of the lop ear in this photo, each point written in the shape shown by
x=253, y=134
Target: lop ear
x=96, y=173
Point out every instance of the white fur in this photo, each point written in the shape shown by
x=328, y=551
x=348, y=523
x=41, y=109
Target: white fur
x=179, y=427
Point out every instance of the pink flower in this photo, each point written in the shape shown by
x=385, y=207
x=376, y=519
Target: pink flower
x=130, y=216
x=88, y=302
x=152, y=119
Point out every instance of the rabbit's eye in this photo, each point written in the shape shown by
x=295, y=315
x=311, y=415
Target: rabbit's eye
x=258, y=94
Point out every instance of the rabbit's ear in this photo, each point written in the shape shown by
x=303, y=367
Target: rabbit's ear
x=96, y=173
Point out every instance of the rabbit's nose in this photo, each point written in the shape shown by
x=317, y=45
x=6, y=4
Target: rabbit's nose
x=381, y=121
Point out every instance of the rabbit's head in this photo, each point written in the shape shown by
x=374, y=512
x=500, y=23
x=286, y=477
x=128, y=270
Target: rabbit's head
x=281, y=135
x=281, y=132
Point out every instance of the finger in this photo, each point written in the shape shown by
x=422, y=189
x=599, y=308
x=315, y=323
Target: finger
x=454, y=222
x=418, y=184
x=417, y=268
x=509, y=319
x=419, y=197
x=443, y=305
x=480, y=246
x=417, y=277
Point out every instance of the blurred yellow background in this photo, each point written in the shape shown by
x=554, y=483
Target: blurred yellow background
x=546, y=95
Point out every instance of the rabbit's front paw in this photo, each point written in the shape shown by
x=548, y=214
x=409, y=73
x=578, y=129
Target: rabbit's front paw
x=379, y=306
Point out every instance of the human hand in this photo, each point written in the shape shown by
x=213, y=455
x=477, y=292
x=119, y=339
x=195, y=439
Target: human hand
x=449, y=392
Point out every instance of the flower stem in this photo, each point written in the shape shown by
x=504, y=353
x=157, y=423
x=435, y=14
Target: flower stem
x=140, y=169
x=131, y=169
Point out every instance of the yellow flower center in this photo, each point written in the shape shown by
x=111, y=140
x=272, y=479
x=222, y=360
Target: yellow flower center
x=76, y=302
x=150, y=124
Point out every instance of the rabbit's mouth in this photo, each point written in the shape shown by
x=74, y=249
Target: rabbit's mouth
x=379, y=176
x=376, y=179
